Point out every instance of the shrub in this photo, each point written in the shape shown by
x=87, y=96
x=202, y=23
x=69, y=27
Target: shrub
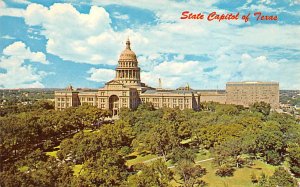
x=273, y=158
x=225, y=171
x=254, y=178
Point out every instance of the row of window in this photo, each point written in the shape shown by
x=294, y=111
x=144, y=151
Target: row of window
x=63, y=99
x=89, y=99
x=128, y=64
x=62, y=105
x=164, y=100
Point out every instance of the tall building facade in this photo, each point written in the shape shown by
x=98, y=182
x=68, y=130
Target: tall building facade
x=247, y=93
x=127, y=90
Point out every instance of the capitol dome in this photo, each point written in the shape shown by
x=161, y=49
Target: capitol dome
x=127, y=54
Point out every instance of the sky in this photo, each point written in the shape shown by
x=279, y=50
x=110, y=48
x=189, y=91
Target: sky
x=54, y=43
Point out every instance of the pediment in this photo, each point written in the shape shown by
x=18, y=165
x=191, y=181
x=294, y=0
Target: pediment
x=113, y=82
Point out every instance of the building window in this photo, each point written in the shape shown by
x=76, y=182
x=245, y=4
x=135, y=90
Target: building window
x=155, y=100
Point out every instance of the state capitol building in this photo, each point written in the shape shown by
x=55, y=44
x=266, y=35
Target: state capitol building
x=127, y=90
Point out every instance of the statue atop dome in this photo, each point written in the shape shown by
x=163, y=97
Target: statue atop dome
x=127, y=54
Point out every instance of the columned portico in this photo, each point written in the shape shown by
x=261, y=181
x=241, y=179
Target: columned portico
x=128, y=72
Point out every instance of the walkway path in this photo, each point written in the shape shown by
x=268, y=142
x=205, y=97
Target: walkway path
x=153, y=159
x=196, y=162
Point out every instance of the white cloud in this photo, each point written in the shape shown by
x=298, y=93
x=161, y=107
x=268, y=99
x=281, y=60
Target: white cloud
x=101, y=75
x=19, y=51
x=17, y=74
x=121, y=16
x=260, y=68
x=174, y=74
x=83, y=38
x=167, y=9
x=294, y=2
x=6, y=11
x=7, y=37
x=89, y=38
x=21, y=1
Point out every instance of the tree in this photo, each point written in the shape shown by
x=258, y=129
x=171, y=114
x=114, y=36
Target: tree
x=180, y=153
x=44, y=174
x=106, y=169
x=282, y=177
x=208, y=106
x=161, y=139
x=87, y=115
x=227, y=109
x=44, y=105
x=190, y=173
x=11, y=178
x=269, y=142
x=156, y=174
x=32, y=159
x=261, y=107
x=294, y=158
x=263, y=180
x=227, y=152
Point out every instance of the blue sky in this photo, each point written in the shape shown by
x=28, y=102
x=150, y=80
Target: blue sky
x=56, y=43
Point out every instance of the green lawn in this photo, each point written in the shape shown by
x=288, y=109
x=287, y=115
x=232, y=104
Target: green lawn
x=241, y=178
x=202, y=155
x=54, y=152
x=23, y=168
x=77, y=169
x=138, y=158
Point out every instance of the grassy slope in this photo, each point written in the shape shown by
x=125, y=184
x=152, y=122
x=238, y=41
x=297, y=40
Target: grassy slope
x=138, y=158
x=241, y=178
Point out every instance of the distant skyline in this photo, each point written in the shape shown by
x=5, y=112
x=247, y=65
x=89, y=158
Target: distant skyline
x=56, y=43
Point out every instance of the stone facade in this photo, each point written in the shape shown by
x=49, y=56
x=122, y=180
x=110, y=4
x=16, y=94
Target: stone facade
x=215, y=96
x=127, y=90
x=247, y=93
